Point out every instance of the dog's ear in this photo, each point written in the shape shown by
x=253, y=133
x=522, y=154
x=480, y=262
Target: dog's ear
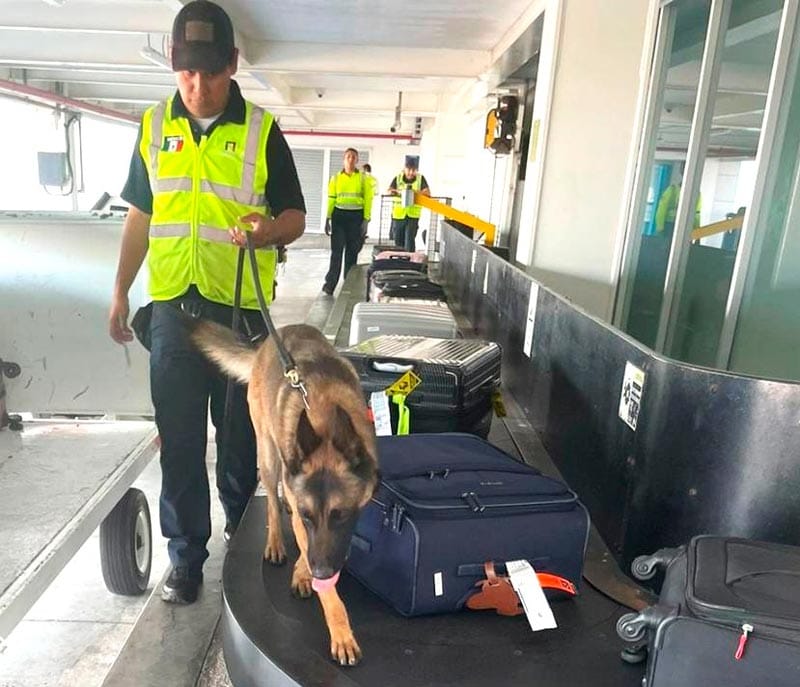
x=308, y=440
x=347, y=440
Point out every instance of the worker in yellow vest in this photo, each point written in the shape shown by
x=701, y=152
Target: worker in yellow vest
x=349, y=212
x=667, y=209
x=405, y=219
x=207, y=167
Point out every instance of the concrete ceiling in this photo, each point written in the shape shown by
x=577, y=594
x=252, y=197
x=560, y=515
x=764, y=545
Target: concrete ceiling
x=317, y=64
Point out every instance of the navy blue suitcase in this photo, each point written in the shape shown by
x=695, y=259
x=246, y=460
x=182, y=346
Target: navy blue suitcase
x=445, y=505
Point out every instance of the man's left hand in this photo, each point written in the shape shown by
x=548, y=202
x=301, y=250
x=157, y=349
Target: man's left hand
x=261, y=232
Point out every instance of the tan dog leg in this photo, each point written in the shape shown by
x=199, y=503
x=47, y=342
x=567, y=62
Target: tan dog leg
x=275, y=550
x=344, y=648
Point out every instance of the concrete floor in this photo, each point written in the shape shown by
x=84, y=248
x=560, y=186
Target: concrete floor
x=77, y=629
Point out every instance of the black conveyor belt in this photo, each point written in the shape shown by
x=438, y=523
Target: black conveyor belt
x=271, y=638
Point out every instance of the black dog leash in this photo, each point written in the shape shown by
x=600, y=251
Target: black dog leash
x=289, y=367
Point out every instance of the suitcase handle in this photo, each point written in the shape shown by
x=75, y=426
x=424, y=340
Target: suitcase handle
x=390, y=367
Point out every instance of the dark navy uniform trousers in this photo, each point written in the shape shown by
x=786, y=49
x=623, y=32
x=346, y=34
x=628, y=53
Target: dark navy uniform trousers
x=182, y=382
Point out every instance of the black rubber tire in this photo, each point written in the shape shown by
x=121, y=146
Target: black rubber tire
x=644, y=568
x=634, y=655
x=630, y=628
x=124, y=533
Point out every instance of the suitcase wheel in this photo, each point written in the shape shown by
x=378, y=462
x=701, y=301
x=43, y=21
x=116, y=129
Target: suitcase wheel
x=645, y=567
x=632, y=627
x=634, y=654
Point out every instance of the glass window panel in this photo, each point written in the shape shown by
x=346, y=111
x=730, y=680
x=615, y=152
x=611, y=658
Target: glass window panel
x=727, y=180
x=767, y=335
x=689, y=22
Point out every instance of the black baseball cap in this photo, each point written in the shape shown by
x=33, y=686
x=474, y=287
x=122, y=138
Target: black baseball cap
x=412, y=161
x=202, y=38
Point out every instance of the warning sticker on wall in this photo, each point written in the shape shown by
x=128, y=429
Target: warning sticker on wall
x=630, y=398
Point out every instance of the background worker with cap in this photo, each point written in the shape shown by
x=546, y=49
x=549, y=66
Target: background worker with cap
x=349, y=212
x=206, y=165
x=405, y=220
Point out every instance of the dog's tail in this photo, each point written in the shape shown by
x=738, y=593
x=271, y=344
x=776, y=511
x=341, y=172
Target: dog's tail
x=222, y=347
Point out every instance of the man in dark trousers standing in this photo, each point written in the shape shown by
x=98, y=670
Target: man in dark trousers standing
x=405, y=219
x=207, y=167
x=349, y=211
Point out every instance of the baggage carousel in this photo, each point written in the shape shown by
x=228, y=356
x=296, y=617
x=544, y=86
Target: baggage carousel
x=271, y=638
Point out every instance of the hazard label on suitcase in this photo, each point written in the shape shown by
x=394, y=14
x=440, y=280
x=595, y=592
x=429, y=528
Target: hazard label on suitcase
x=405, y=385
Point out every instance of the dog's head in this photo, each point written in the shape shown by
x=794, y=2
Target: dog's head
x=332, y=474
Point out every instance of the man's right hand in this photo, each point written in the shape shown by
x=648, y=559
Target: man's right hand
x=328, y=226
x=118, y=320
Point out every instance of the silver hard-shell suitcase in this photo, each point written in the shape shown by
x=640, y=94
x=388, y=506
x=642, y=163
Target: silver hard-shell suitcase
x=410, y=317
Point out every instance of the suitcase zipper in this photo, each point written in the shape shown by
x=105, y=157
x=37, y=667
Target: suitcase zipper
x=477, y=506
x=746, y=630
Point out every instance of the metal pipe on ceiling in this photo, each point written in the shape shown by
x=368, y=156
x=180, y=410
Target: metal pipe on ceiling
x=44, y=97
x=348, y=134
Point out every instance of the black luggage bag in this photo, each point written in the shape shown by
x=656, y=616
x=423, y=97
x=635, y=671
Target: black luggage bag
x=377, y=280
x=448, y=503
x=403, y=284
x=728, y=615
x=459, y=378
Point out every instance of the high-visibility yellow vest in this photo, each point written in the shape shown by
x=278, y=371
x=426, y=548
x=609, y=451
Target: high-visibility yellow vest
x=350, y=192
x=199, y=193
x=667, y=208
x=398, y=211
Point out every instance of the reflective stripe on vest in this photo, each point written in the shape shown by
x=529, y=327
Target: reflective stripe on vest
x=398, y=211
x=349, y=196
x=199, y=192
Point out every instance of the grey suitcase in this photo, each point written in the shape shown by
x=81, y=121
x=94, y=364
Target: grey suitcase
x=410, y=317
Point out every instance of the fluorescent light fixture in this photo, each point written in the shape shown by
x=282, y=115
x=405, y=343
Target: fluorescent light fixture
x=55, y=3
x=157, y=58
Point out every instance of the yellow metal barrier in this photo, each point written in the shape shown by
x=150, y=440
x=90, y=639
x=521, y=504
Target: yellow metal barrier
x=731, y=224
x=486, y=228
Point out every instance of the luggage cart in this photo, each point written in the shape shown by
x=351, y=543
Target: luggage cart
x=59, y=480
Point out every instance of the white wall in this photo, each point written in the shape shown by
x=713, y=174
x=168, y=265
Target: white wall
x=590, y=148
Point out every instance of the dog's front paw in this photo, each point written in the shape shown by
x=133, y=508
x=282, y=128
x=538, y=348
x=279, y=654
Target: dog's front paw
x=275, y=551
x=301, y=580
x=344, y=647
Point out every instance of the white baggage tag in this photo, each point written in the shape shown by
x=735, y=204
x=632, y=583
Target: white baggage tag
x=379, y=402
x=526, y=584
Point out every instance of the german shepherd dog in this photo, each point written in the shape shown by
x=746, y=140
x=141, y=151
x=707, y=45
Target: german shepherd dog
x=324, y=456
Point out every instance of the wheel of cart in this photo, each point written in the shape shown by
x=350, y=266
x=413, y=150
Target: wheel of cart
x=126, y=545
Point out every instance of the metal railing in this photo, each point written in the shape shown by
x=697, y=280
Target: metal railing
x=429, y=221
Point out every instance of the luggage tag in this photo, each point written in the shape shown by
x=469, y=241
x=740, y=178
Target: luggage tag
x=496, y=592
x=527, y=585
x=379, y=403
x=499, y=593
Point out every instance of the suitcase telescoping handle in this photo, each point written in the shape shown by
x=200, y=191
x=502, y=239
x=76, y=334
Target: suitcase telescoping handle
x=391, y=367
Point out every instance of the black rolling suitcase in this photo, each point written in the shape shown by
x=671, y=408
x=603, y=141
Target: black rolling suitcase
x=728, y=615
x=403, y=283
x=448, y=503
x=459, y=378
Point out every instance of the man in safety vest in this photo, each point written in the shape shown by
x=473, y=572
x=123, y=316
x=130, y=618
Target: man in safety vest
x=667, y=209
x=207, y=167
x=349, y=212
x=405, y=219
